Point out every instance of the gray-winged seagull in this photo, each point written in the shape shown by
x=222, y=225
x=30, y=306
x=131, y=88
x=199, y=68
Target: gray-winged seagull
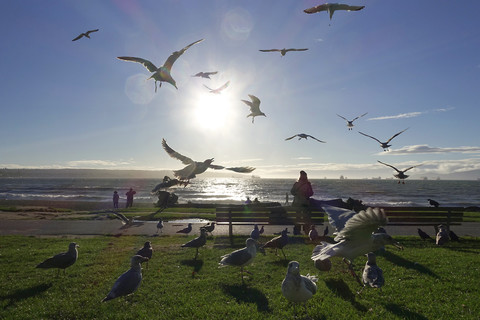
x=146, y=251
x=240, y=257
x=372, y=274
x=350, y=122
x=278, y=242
x=332, y=7
x=297, y=288
x=304, y=136
x=205, y=74
x=198, y=242
x=162, y=73
x=85, y=34
x=282, y=51
x=384, y=145
x=400, y=173
x=62, y=260
x=254, y=107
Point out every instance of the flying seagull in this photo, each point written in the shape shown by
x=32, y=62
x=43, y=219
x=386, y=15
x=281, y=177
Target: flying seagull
x=86, y=34
x=205, y=74
x=332, y=7
x=194, y=167
x=350, y=122
x=129, y=281
x=240, y=257
x=297, y=288
x=162, y=73
x=401, y=173
x=356, y=238
x=372, y=273
x=61, y=260
x=254, y=107
x=198, y=242
x=304, y=136
x=282, y=51
x=218, y=90
x=384, y=145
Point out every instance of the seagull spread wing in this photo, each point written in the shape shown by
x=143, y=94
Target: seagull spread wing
x=361, y=225
x=316, y=9
x=396, y=134
x=338, y=217
x=293, y=49
x=342, y=117
x=411, y=167
x=359, y=116
x=388, y=165
x=208, y=87
x=315, y=138
x=348, y=7
x=269, y=50
x=174, y=56
x=78, y=37
x=291, y=137
x=172, y=153
x=224, y=86
x=147, y=64
x=366, y=135
x=241, y=169
x=90, y=31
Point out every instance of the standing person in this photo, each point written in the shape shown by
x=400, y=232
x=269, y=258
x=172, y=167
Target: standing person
x=129, y=195
x=116, y=197
x=302, y=191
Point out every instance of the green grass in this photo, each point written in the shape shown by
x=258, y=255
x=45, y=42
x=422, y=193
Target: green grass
x=422, y=282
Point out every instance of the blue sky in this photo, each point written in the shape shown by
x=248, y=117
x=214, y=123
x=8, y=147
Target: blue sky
x=409, y=64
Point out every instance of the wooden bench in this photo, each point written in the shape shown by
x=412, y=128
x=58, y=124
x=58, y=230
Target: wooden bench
x=278, y=215
x=424, y=216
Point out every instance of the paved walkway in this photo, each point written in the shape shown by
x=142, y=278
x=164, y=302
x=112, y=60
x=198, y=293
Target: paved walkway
x=148, y=228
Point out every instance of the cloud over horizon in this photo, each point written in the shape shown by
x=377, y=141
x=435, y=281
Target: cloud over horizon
x=423, y=149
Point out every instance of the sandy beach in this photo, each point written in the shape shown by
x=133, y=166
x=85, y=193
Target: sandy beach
x=62, y=218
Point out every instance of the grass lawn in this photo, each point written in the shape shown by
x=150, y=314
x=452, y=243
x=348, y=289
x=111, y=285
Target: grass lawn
x=422, y=282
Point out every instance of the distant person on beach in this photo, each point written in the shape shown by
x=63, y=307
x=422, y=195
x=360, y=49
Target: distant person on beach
x=302, y=191
x=255, y=201
x=129, y=195
x=248, y=201
x=116, y=197
x=286, y=197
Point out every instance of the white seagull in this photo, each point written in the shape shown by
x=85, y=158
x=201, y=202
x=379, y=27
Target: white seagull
x=160, y=225
x=304, y=136
x=205, y=74
x=85, y=34
x=254, y=107
x=372, y=274
x=282, y=51
x=401, y=173
x=350, y=122
x=218, y=90
x=384, y=145
x=194, y=167
x=297, y=288
x=162, y=73
x=356, y=238
x=332, y=7
x=129, y=281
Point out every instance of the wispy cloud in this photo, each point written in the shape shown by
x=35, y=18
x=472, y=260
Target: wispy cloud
x=97, y=163
x=411, y=114
x=302, y=158
x=417, y=149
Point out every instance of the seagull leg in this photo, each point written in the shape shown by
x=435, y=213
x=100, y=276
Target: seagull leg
x=196, y=254
x=284, y=254
x=352, y=272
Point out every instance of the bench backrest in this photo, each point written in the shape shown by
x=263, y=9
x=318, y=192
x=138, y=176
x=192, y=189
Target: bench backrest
x=424, y=215
x=266, y=215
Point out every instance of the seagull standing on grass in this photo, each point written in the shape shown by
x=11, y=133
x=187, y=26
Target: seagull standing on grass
x=62, y=260
x=313, y=233
x=255, y=233
x=146, y=251
x=85, y=34
x=442, y=235
x=332, y=7
x=278, y=242
x=400, y=173
x=254, y=107
x=194, y=167
x=209, y=227
x=304, y=136
x=282, y=51
x=129, y=281
x=186, y=230
x=297, y=288
x=356, y=238
x=372, y=274
x=350, y=122
x=240, y=257
x=162, y=73
x=160, y=225
x=384, y=145
x=198, y=242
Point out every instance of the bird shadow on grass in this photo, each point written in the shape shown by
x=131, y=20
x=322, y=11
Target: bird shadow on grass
x=403, y=313
x=402, y=262
x=195, y=264
x=23, y=294
x=243, y=294
x=341, y=289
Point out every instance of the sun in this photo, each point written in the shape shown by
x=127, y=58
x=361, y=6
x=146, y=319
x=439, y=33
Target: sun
x=212, y=111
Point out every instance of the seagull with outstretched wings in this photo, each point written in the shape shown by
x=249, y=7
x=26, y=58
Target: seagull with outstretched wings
x=254, y=105
x=85, y=34
x=384, y=145
x=162, y=73
x=332, y=7
x=350, y=122
x=205, y=74
x=304, y=136
x=195, y=167
x=282, y=51
x=400, y=173
x=218, y=90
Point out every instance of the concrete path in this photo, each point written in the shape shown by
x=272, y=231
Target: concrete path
x=148, y=228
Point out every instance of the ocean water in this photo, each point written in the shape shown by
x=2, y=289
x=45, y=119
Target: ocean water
x=236, y=190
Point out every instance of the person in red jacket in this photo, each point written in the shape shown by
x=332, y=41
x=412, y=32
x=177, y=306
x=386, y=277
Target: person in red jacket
x=129, y=195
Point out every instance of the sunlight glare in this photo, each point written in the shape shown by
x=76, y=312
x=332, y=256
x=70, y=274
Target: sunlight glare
x=212, y=111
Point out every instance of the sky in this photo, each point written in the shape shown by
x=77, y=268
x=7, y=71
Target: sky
x=410, y=64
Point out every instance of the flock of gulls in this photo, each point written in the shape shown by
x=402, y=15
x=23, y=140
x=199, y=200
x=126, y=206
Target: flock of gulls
x=356, y=234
